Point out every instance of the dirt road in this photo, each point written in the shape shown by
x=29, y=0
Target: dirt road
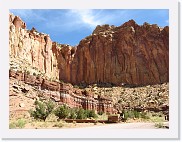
x=139, y=125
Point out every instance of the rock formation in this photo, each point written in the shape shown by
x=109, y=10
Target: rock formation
x=128, y=54
x=59, y=92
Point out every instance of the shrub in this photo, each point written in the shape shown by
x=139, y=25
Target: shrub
x=91, y=113
x=81, y=114
x=12, y=125
x=58, y=124
x=62, y=112
x=136, y=114
x=100, y=113
x=144, y=115
x=159, y=125
x=42, y=109
x=73, y=114
x=125, y=115
x=20, y=123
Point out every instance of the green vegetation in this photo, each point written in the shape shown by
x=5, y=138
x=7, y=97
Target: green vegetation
x=159, y=125
x=156, y=117
x=134, y=114
x=91, y=114
x=20, y=123
x=100, y=113
x=62, y=112
x=58, y=124
x=42, y=109
x=81, y=114
x=73, y=114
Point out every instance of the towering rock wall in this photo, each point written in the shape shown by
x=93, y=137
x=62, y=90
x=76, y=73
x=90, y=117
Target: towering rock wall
x=32, y=47
x=129, y=54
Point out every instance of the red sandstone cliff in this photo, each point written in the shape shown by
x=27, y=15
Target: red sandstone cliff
x=129, y=54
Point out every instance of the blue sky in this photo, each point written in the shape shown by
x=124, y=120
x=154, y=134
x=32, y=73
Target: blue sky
x=69, y=26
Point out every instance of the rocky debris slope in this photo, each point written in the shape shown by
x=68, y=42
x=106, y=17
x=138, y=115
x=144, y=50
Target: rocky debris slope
x=129, y=54
x=24, y=89
x=151, y=97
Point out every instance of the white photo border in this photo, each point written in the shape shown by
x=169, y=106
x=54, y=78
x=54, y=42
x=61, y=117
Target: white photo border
x=171, y=133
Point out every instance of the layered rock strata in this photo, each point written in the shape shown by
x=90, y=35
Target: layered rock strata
x=63, y=93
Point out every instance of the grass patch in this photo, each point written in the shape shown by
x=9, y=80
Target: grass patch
x=102, y=117
x=58, y=124
x=159, y=125
x=20, y=123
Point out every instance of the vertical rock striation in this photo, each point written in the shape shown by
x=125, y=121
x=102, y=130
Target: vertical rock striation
x=127, y=54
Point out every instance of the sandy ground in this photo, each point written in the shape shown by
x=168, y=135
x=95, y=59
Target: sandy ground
x=138, y=125
x=62, y=125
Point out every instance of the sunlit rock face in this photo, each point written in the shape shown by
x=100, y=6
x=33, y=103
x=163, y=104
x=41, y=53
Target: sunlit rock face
x=128, y=54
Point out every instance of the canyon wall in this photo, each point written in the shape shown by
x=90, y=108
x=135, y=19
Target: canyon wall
x=128, y=54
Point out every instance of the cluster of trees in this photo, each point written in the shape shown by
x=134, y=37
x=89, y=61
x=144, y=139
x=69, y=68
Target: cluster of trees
x=44, y=108
x=134, y=114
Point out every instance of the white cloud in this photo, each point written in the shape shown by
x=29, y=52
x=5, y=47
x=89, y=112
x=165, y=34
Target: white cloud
x=88, y=17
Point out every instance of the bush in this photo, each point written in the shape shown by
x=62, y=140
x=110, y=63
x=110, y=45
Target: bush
x=159, y=125
x=58, y=124
x=100, y=113
x=81, y=114
x=42, y=109
x=12, y=125
x=91, y=114
x=73, y=114
x=20, y=123
x=144, y=115
x=62, y=112
x=134, y=114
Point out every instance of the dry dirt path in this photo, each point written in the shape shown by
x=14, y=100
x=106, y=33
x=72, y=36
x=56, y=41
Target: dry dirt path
x=138, y=125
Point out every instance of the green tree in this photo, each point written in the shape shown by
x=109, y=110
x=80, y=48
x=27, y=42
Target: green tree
x=91, y=113
x=81, y=114
x=42, y=109
x=73, y=113
x=62, y=112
